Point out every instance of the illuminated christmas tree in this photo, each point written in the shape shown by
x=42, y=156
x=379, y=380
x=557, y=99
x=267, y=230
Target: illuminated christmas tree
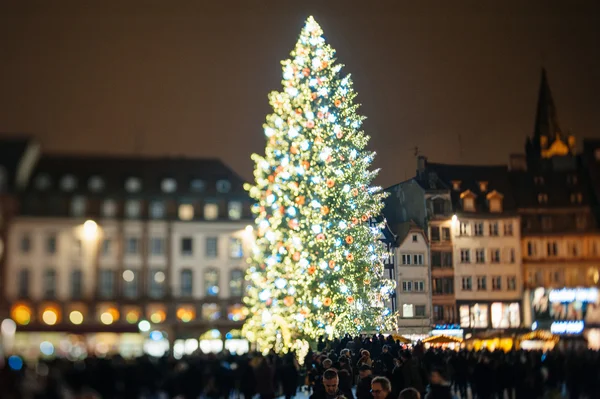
x=317, y=266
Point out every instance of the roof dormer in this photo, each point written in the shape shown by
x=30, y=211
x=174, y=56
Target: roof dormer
x=456, y=185
x=483, y=186
x=468, y=200
x=495, y=201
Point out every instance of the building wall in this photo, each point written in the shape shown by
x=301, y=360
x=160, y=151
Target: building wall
x=409, y=278
x=508, y=267
x=443, y=297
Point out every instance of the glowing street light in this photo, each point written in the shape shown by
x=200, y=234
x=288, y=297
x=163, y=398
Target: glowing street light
x=90, y=230
x=144, y=326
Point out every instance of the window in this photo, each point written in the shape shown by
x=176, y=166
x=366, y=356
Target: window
x=106, y=247
x=157, y=246
x=78, y=248
x=236, y=249
x=187, y=246
x=414, y=238
x=43, y=182
x=186, y=283
x=420, y=311
x=211, y=211
x=478, y=229
x=443, y=285
x=438, y=312
x=465, y=256
x=77, y=208
x=445, y=233
x=418, y=259
x=408, y=310
x=132, y=246
x=406, y=259
x=581, y=221
x=467, y=283
x=133, y=184
x=456, y=185
x=95, y=184
x=495, y=255
x=572, y=179
x=435, y=233
x=236, y=284
x=133, y=209
x=23, y=283
x=438, y=206
x=49, y=283
x=157, y=210
x=531, y=249
x=576, y=198
x=130, y=283
x=464, y=229
x=512, y=255
x=197, y=185
x=234, y=210
x=168, y=185
x=51, y=244
x=107, y=283
x=447, y=259
x=574, y=248
x=481, y=283
x=469, y=204
x=508, y=228
x=419, y=286
x=157, y=283
x=546, y=223
x=479, y=255
x=436, y=259
x=495, y=205
x=211, y=282
x=407, y=286
x=76, y=284
x=186, y=212
x=109, y=208
x=483, y=185
x=212, y=247
x=539, y=180
x=496, y=283
x=542, y=198
x=68, y=183
x=552, y=247
x=494, y=229
x=223, y=186
x=511, y=283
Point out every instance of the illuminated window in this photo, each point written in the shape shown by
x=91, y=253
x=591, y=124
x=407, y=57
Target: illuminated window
x=223, y=186
x=237, y=312
x=187, y=282
x=77, y=208
x=211, y=311
x=109, y=208
x=21, y=314
x=495, y=205
x=95, y=184
x=186, y=212
x=68, y=183
x=211, y=282
x=408, y=310
x=168, y=185
x=234, y=210
x=469, y=204
x=186, y=313
x=133, y=185
x=236, y=284
x=236, y=248
x=211, y=211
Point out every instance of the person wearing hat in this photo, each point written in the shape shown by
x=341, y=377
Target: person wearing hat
x=363, y=388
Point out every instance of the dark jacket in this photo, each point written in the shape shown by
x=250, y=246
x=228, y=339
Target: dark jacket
x=439, y=392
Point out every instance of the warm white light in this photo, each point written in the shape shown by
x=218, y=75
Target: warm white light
x=454, y=218
x=159, y=277
x=144, y=326
x=49, y=317
x=128, y=276
x=76, y=317
x=8, y=327
x=249, y=229
x=90, y=230
x=106, y=318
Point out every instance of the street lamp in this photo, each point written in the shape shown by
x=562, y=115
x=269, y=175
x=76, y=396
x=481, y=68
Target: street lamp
x=90, y=230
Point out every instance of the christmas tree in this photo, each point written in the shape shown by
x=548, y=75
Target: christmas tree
x=317, y=265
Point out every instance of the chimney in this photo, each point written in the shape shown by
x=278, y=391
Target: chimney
x=421, y=165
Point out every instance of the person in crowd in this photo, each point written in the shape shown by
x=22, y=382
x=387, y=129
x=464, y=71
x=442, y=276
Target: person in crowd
x=439, y=387
x=409, y=393
x=363, y=388
x=331, y=387
x=381, y=388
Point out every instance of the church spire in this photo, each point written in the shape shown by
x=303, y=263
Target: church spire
x=546, y=129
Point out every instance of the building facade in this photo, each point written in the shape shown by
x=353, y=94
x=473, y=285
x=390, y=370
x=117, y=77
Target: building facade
x=413, y=289
x=100, y=244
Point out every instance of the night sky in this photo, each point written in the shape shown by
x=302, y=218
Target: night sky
x=187, y=78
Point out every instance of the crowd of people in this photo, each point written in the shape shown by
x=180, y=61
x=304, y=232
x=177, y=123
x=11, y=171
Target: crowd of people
x=374, y=367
